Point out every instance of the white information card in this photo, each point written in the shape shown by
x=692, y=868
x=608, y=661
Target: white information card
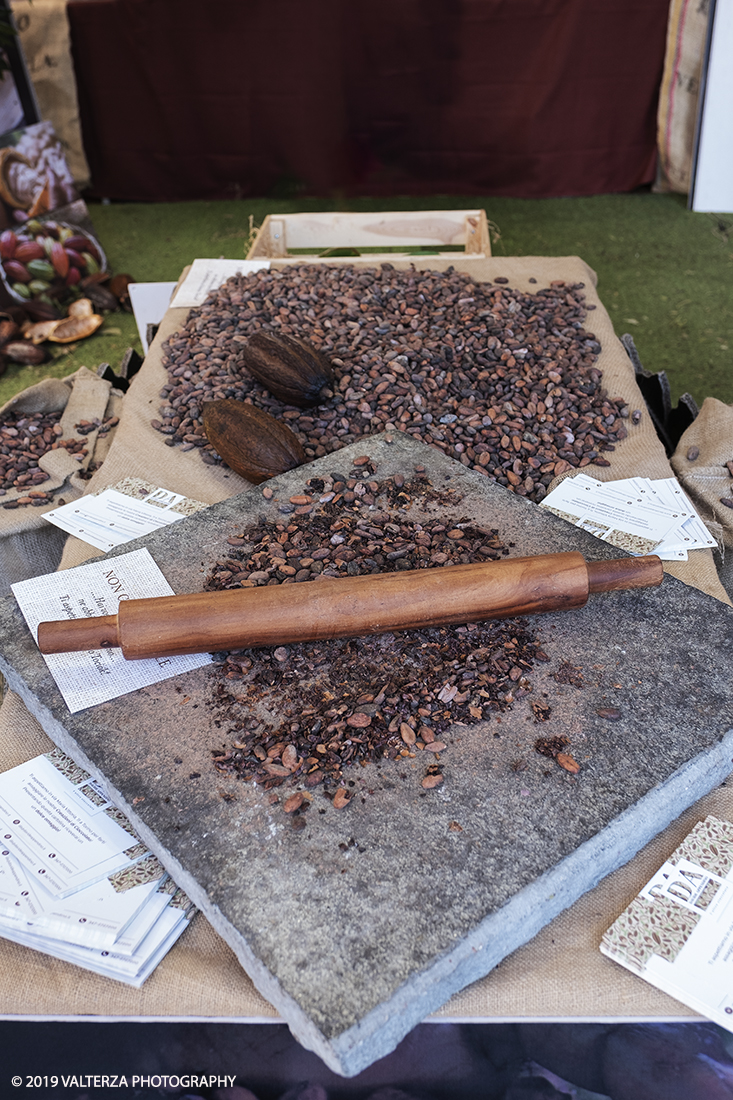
x=207, y=275
x=97, y=588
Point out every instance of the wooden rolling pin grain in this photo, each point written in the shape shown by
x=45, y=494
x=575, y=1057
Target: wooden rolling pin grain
x=338, y=608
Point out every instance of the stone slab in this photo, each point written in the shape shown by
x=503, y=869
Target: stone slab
x=358, y=926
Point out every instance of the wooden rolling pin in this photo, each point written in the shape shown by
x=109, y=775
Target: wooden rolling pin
x=337, y=608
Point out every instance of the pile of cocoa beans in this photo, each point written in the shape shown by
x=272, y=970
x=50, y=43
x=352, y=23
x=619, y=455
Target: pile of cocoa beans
x=504, y=381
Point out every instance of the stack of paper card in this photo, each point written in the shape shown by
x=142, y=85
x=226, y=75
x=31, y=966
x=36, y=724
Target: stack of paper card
x=635, y=514
x=75, y=881
x=677, y=933
x=121, y=513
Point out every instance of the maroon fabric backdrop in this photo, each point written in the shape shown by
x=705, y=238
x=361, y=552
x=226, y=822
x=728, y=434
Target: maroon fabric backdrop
x=203, y=99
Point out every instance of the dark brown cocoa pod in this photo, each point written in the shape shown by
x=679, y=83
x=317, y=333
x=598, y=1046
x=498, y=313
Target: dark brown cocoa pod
x=119, y=284
x=252, y=443
x=41, y=311
x=8, y=330
x=291, y=369
x=101, y=297
x=23, y=351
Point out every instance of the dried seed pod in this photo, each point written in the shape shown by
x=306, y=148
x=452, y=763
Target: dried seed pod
x=254, y=444
x=23, y=351
x=81, y=308
x=291, y=369
x=75, y=328
x=119, y=284
x=101, y=297
x=41, y=330
x=8, y=330
x=38, y=310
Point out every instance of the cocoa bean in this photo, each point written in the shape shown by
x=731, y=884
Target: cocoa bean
x=504, y=381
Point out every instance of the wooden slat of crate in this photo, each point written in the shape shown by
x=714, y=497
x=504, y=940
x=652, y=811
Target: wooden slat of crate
x=281, y=234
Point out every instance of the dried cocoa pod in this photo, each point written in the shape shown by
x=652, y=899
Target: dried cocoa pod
x=40, y=331
x=118, y=284
x=23, y=351
x=291, y=369
x=252, y=443
x=8, y=330
x=41, y=311
x=75, y=328
x=101, y=297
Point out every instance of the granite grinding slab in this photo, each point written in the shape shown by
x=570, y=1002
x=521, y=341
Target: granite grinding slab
x=369, y=918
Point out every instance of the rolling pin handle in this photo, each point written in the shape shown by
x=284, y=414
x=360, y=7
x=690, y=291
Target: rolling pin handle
x=609, y=576
x=78, y=635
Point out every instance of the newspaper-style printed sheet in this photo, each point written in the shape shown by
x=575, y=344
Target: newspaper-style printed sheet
x=97, y=588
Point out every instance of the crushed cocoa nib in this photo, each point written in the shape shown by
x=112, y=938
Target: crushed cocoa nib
x=303, y=713
x=551, y=746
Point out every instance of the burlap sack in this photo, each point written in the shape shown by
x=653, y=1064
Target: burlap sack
x=709, y=444
x=679, y=93
x=29, y=545
x=561, y=971
x=43, y=28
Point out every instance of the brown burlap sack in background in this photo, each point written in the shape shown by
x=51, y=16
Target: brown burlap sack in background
x=29, y=545
x=561, y=971
x=707, y=479
x=679, y=93
x=43, y=29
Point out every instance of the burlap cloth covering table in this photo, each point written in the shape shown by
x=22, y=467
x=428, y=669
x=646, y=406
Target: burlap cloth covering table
x=561, y=972
x=706, y=478
x=29, y=546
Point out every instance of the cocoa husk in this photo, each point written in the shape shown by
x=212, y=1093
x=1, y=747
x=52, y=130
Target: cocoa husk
x=23, y=351
x=252, y=443
x=290, y=368
x=41, y=330
x=41, y=311
x=119, y=285
x=8, y=330
x=75, y=328
x=101, y=297
x=82, y=307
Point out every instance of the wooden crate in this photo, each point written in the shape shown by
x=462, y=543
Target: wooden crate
x=379, y=236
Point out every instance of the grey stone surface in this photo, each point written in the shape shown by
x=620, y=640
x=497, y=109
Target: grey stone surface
x=361, y=924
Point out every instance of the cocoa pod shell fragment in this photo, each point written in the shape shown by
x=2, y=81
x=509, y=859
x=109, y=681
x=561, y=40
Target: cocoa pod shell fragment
x=291, y=369
x=75, y=328
x=252, y=443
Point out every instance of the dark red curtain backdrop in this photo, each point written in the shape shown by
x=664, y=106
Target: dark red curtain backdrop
x=205, y=99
